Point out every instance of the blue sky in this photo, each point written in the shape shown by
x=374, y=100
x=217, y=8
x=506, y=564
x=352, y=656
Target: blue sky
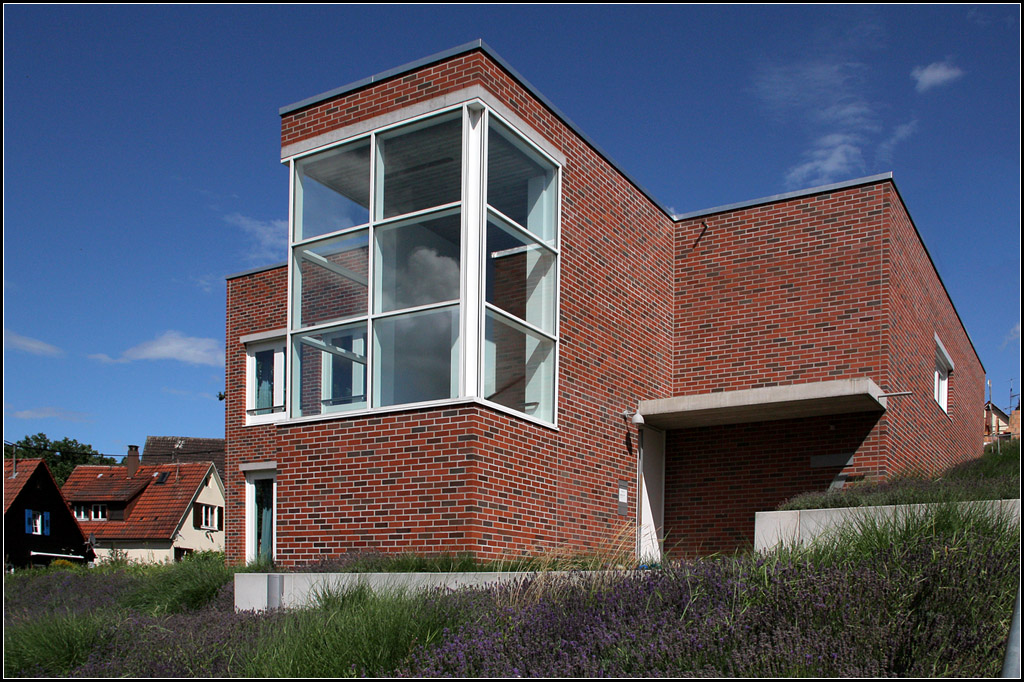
x=141, y=159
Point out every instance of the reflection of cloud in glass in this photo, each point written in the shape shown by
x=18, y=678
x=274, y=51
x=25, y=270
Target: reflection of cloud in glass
x=428, y=277
x=421, y=346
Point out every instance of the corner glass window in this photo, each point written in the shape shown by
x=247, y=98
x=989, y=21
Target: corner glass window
x=425, y=269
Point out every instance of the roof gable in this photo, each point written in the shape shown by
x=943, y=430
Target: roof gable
x=161, y=505
x=16, y=474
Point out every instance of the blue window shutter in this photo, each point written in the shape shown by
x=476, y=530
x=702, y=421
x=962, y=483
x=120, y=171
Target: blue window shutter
x=28, y=521
x=46, y=523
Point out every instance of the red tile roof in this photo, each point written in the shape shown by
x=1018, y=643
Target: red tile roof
x=158, y=508
x=14, y=484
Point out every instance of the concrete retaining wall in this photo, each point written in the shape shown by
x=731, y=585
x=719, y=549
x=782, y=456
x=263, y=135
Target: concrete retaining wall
x=260, y=591
x=801, y=526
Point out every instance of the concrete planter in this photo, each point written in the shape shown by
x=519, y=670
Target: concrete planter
x=261, y=591
x=788, y=528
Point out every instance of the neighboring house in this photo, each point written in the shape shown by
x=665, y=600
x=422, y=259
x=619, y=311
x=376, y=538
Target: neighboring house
x=1014, y=427
x=149, y=513
x=997, y=423
x=172, y=449
x=475, y=297
x=38, y=524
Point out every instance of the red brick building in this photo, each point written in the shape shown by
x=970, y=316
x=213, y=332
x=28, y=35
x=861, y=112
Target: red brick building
x=475, y=296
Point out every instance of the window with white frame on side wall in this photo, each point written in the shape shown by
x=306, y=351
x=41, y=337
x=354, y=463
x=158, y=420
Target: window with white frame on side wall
x=943, y=371
x=265, y=377
x=423, y=268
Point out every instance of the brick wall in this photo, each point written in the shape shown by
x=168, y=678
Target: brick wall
x=921, y=435
x=255, y=303
x=718, y=477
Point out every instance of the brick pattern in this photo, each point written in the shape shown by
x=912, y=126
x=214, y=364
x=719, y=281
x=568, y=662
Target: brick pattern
x=721, y=476
x=921, y=435
x=782, y=293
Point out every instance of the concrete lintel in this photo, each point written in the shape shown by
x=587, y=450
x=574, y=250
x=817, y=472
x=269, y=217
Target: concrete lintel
x=840, y=396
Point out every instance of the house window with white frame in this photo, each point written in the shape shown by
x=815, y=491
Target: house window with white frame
x=265, y=379
x=208, y=517
x=943, y=370
x=423, y=269
x=82, y=512
x=99, y=512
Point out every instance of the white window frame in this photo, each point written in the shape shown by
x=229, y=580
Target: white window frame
x=82, y=512
x=210, y=517
x=253, y=473
x=258, y=343
x=37, y=522
x=943, y=370
x=99, y=512
x=468, y=375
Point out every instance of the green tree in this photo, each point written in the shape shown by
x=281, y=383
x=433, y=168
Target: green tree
x=62, y=456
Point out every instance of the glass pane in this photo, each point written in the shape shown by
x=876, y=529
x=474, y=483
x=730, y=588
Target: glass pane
x=264, y=382
x=332, y=190
x=519, y=369
x=418, y=263
x=264, y=492
x=520, y=183
x=331, y=373
x=520, y=276
x=421, y=167
x=417, y=357
x=333, y=279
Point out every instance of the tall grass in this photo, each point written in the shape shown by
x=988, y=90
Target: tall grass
x=352, y=632
x=179, y=587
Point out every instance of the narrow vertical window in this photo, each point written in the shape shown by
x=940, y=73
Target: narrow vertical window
x=943, y=370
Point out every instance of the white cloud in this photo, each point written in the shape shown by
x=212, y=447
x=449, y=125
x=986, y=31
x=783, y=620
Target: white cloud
x=29, y=345
x=171, y=345
x=52, y=413
x=830, y=157
x=900, y=133
x=826, y=97
x=935, y=75
x=1014, y=335
x=270, y=237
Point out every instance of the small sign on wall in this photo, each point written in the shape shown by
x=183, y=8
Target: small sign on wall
x=623, y=498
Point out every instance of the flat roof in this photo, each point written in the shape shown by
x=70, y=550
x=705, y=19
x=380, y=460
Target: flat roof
x=788, y=195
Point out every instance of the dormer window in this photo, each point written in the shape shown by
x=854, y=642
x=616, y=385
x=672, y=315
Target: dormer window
x=424, y=269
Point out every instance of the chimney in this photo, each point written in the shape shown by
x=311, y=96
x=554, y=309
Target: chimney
x=131, y=460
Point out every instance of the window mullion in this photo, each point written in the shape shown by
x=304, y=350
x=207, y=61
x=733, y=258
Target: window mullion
x=473, y=203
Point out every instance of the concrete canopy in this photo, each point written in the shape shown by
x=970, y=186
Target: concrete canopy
x=841, y=396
